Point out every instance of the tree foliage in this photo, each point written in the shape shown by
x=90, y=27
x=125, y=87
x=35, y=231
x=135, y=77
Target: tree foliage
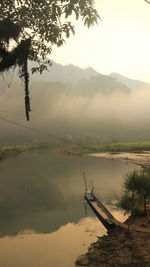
x=34, y=26
x=136, y=192
x=46, y=22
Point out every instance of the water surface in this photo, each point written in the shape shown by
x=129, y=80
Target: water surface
x=42, y=217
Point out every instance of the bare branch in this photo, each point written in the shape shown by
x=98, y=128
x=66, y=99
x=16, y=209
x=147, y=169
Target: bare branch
x=148, y=1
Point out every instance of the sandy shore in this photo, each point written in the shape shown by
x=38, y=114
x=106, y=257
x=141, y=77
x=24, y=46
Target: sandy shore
x=141, y=159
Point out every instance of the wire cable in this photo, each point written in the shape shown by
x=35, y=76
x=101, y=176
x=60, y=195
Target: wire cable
x=45, y=133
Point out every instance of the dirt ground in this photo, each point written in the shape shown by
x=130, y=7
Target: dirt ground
x=121, y=247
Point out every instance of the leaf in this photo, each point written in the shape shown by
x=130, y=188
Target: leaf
x=44, y=21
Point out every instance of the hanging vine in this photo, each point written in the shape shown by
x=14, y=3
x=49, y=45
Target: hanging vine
x=17, y=56
x=23, y=73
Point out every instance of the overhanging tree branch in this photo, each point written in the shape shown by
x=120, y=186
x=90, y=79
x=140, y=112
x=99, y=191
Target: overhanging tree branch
x=44, y=23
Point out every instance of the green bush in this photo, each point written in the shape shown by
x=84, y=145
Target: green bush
x=136, y=192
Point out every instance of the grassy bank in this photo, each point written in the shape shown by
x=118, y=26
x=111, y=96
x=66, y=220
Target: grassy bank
x=10, y=151
x=14, y=150
x=113, y=147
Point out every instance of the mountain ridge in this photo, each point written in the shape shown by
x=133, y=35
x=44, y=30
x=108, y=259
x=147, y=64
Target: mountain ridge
x=65, y=73
x=73, y=74
x=131, y=83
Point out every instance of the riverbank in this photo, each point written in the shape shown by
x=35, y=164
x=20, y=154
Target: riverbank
x=12, y=151
x=130, y=147
x=120, y=247
x=8, y=151
x=15, y=150
x=141, y=159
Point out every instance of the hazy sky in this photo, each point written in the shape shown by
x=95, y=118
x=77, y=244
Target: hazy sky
x=120, y=43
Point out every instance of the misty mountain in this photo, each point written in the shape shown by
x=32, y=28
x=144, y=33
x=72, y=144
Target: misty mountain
x=103, y=84
x=97, y=106
x=65, y=74
x=70, y=78
x=76, y=76
x=87, y=80
x=133, y=84
x=78, y=81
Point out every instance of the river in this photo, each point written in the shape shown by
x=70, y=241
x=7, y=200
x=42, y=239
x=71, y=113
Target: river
x=42, y=216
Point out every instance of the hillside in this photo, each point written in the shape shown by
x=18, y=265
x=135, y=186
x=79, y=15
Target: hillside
x=64, y=73
x=133, y=84
x=93, y=106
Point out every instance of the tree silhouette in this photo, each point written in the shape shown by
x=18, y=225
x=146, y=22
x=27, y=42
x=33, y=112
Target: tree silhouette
x=148, y=1
x=136, y=192
x=34, y=26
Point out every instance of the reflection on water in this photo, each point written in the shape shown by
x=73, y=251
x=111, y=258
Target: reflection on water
x=43, y=193
x=59, y=248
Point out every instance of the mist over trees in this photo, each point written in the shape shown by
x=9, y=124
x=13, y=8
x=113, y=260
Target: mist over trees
x=67, y=109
